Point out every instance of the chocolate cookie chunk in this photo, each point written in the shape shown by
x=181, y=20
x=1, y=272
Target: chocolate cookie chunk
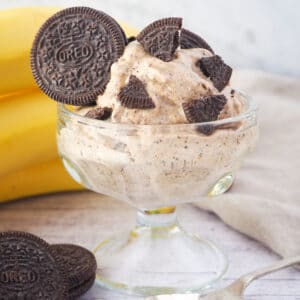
x=205, y=129
x=79, y=263
x=205, y=109
x=99, y=113
x=214, y=68
x=135, y=95
x=161, y=38
x=190, y=40
x=131, y=39
x=28, y=270
x=73, y=52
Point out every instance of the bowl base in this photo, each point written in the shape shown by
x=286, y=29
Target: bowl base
x=159, y=260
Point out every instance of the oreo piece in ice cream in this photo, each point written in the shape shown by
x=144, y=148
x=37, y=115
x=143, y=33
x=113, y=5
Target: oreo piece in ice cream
x=190, y=40
x=161, y=38
x=134, y=95
x=99, y=113
x=215, y=68
x=205, y=109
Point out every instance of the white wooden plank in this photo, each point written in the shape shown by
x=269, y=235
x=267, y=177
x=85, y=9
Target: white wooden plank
x=86, y=218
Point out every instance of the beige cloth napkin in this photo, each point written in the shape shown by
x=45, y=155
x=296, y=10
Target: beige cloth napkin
x=264, y=201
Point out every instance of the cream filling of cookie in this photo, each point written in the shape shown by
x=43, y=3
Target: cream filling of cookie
x=169, y=84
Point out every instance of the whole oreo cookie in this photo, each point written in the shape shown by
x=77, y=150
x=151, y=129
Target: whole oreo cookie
x=28, y=269
x=161, y=38
x=79, y=263
x=73, y=52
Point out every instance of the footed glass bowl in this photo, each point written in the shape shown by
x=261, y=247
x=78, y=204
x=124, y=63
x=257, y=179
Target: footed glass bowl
x=153, y=168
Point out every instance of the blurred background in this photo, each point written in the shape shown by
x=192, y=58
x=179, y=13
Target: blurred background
x=251, y=34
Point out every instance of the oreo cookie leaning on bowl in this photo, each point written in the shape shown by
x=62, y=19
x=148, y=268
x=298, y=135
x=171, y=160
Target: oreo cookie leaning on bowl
x=79, y=264
x=161, y=38
x=28, y=269
x=215, y=68
x=73, y=52
x=190, y=40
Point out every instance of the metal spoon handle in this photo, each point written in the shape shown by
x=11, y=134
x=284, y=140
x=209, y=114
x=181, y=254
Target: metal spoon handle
x=284, y=263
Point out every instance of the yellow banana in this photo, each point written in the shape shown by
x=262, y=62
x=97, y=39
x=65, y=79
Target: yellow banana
x=18, y=28
x=29, y=163
x=44, y=178
x=27, y=136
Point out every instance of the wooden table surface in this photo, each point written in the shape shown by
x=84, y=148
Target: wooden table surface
x=85, y=218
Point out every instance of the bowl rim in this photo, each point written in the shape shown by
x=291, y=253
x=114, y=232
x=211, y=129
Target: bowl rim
x=249, y=113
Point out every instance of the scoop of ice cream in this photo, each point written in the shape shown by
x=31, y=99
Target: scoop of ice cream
x=157, y=166
x=168, y=84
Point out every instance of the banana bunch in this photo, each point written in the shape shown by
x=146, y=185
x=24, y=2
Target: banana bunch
x=29, y=162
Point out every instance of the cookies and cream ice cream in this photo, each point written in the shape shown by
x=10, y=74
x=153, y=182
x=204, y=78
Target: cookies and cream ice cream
x=151, y=166
x=154, y=157
x=168, y=84
x=157, y=122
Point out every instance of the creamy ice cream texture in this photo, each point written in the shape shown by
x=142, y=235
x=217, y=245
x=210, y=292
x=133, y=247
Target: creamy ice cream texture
x=169, y=84
x=156, y=166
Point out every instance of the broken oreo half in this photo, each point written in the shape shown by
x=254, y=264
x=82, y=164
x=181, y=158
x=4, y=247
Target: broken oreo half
x=215, y=68
x=73, y=52
x=189, y=40
x=161, y=38
x=134, y=95
x=205, y=109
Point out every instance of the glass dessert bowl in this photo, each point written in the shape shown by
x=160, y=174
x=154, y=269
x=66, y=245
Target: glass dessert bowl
x=154, y=168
